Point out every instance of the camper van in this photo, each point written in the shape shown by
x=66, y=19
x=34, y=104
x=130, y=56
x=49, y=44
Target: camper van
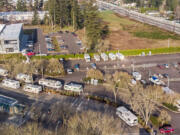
x=120, y=56
x=136, y=75
x=112, y=56
x=73, y=87
x=96, y=57
x=24, y=77
x=50, y=83
x=104, y=56
x=87, y=57
x=3, y=72
x=32, y=88
x=11, y=83
x=127, y=116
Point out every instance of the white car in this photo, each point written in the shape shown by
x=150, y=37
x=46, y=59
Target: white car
x=69, y=71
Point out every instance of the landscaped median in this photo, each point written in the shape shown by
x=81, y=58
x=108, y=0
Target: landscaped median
x=136, y=52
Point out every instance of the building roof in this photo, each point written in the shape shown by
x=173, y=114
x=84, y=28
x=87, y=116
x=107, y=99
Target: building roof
x=11, y=32
x=7, y=100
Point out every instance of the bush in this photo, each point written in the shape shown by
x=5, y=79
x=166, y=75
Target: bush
x=170, y=106
x=154, y=120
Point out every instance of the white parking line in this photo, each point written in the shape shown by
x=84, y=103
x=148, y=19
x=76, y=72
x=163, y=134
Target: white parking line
x=79, y=106
x=74, y=102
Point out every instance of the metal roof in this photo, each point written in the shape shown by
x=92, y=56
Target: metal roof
x=7, y=100
x=11, y=32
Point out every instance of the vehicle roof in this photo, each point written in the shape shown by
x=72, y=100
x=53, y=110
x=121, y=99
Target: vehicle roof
x=7, y=100
x=33, y=86
x=49, y=80
x=10, y=80
x=126, y=112
x=74, y=84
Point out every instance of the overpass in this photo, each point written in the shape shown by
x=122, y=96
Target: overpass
x=158, y=22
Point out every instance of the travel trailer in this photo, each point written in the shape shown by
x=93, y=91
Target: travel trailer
x=24, y=77
x=73, y=87
x=11, y=83
x=32, y=88
x=50, y=83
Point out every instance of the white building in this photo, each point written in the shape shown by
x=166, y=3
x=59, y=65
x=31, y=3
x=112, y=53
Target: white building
x=120, y=56
x=24, y=77
x=73, y=87
x=50, y=83
x=11, y=83
x=87, y=57
x=32, y=88
x=21, y=16
x=104, y=56
x=112, y=56
x=96, y=57
x=11, y=38
x=127, y=116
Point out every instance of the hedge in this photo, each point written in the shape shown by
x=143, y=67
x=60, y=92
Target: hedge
x=134, y=52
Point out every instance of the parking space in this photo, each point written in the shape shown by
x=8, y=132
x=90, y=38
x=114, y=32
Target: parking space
x=68, y=42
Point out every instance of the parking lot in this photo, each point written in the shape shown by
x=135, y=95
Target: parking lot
x=68, y=43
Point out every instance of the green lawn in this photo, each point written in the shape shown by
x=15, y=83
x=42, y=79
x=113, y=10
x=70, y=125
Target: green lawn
x=137, y=29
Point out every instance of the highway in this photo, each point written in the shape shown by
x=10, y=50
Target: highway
x=159, y=22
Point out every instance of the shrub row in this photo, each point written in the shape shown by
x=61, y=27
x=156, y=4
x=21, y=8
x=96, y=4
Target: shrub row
x=170, y=106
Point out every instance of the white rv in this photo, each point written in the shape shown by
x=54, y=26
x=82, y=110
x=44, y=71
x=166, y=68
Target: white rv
x=112, y=56
x=96, y=57
x=87, y=57
x=120, y=56
x=136, y=75
x=11, y=83
x=32, y=88
x=3, y=72
x=24, y=77
x=127, y=116
x=104, y=56
x=73, y=87
x=50, y=83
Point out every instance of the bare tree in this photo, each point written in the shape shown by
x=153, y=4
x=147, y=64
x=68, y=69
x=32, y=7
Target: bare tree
x=164, y=117
x=95, y=74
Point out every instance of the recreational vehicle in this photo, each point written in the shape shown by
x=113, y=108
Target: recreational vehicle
x=87, y=57
x=104, y=56
x=136, y=75
x=11, y=83
x=73, y=87
x=112, y=56
x=24, y=77
x=50, y=83
x=96, y=57
x=127, y=116
x=32, y=88
x=3, y=72
x=120, y=56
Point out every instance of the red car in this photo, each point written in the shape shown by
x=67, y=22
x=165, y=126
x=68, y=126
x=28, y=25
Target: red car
x=166, y=129
x=161, y=66
x=30, y=53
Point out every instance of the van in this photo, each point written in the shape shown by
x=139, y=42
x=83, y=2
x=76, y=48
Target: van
x=112, y=56
x=120, y=56
x=104, y=56
x=96, y=57
x=127, y=116
x=87, y=57
x=136, y=75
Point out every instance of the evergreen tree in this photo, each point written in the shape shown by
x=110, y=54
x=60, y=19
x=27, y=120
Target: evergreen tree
x=35, y=19
x=21, y=5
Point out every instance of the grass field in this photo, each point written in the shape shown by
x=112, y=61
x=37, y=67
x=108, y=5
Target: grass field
x=129, y=34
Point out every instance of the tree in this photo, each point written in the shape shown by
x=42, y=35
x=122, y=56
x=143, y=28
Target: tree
x=95, y=74
x=164, y=117
x=35, y=19
x=21, y=5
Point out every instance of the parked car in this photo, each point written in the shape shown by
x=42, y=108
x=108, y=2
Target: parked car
x=77, y=66
x=69, y=71
x=166, y=129
x=166, y=65
x=93, y=65
x=165, y=75
x=28, y=52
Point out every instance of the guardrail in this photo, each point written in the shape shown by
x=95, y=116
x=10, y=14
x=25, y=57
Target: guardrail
x=161, y=23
